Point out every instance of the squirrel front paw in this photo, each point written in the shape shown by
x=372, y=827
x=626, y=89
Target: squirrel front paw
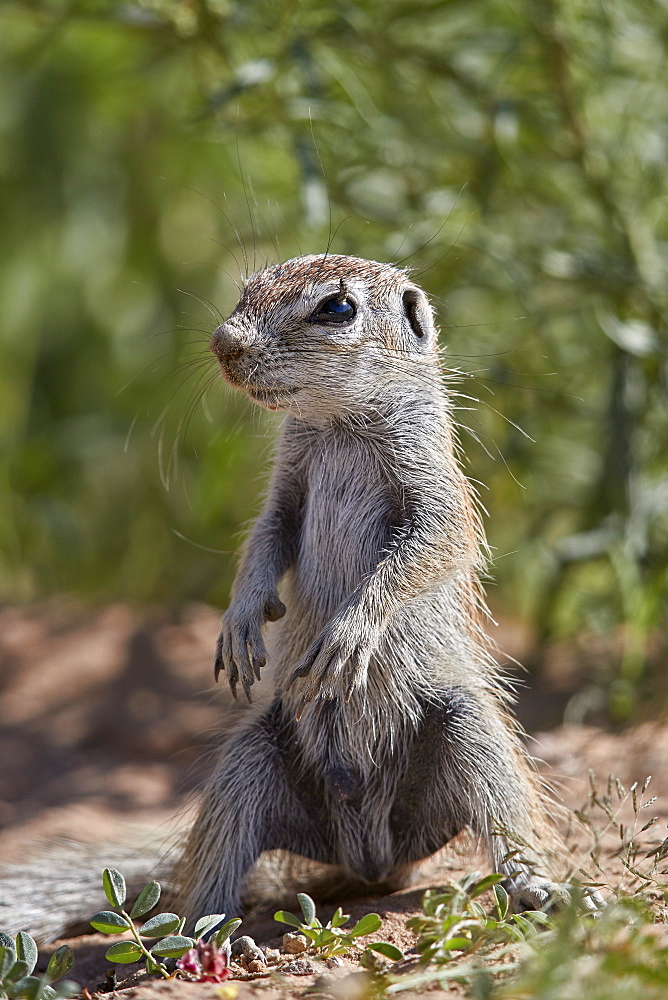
x=240, y=649
x=336, y=664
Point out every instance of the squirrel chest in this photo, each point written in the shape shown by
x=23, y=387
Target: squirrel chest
x=347, y=519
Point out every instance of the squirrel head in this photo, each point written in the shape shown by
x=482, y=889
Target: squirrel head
x=324, y=335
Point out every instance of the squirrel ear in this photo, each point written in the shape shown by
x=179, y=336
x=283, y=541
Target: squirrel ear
x=418, y=314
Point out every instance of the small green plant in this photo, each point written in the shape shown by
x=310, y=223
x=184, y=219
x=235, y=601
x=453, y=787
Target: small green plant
x=455, y=932
x=616, y=956
x=502, y=956
x=166, y=926
x=18, y=957
x=331, y=939
x=454, y=922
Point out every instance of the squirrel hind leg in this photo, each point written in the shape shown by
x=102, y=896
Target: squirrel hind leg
x=467, y=768
x=249, y=806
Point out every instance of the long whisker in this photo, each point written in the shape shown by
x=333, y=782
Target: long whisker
x=230, y=221
x=219, y=318
x=426, y=270
x=437, y=233
x=152, y=366
x=204, y=548
x=248, y=205
x=324, y=180
x=202, y=386
x=218, y=267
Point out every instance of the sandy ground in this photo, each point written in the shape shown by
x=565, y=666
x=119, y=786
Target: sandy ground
x=105, y=718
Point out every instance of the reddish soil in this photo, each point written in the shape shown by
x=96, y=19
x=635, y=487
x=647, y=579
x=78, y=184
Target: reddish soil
x=104, y=717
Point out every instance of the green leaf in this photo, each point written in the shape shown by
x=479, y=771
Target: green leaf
x=60, y=963
x=340, y=918
x=486, y=883
x=161, y=924
x=146, y=900
x=340, y=947
x=312, y=933
x=114, y=886
x=32, y=987
x=19, y=970
x=388, y=950
x=173, y=946
x=206, y=924
x=7, y=942
x=456, y=944
x=108, y=922
x=284, y=917
x=527, y=928
x=7, y=959
x=367, y=925
x=325, y=936
x=468, y=883
x=502, y=901
x=307, y=907
x=124, y=952
x=26, y=949
x=227, y=930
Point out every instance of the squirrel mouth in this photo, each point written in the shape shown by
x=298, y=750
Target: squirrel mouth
x=272, y=399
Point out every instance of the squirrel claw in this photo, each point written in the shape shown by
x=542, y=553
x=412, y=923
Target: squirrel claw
x=258, y=662
x=302, y=671
x=294, y=676
x=217, y=662
x=300, y=710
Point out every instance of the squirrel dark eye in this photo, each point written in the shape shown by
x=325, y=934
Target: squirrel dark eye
x=334, y=311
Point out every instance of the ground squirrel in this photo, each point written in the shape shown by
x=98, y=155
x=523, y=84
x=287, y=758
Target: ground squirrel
x=387, y=732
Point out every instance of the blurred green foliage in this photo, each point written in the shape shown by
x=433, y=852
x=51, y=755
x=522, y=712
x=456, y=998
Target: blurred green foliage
x=514, y=154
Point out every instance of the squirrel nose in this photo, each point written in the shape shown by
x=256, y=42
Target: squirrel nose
x=226, y=343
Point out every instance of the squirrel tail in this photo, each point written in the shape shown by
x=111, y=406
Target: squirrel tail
x=57, y=892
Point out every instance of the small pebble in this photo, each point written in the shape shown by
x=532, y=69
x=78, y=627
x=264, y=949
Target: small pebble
x=272, y=955
x=246, y=947
x=335, y=962
x=298, y=967
x=256, y=966
x=294, y=944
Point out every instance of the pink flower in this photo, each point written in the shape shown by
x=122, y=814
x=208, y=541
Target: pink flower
x=206, y=961
x=188, y=962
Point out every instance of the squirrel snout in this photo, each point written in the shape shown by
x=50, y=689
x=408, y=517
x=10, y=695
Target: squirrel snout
x=227, y=343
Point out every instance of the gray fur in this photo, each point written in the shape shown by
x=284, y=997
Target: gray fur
x=57, y=895
x=387, y=731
